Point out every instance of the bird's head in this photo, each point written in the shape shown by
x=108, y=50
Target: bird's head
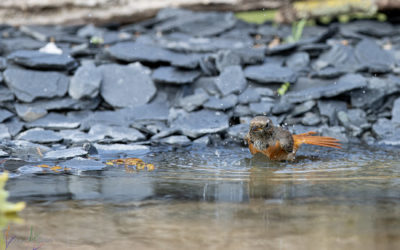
x=261, y=125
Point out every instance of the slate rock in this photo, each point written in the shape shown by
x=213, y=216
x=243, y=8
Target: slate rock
x=328, y=72
x=29, y=113
x=176, y=140
x=75, y=136
x=270, y=73
x=198, y=123
x=281, y=48
x=135, y=51
x=3, y=63
x=200, y=23
x=38, y=60
x=124, y=86
x=116, y=118
x=304, y=107
x=310, y=119
x=387, y=132
x=282, y=107
x=223, y=103
x=249, y=95
x=261, y=108
x=54, y=121
x=4, y=133
x=231, y=81
x=208, y=84
x=192, y=102
x=27, y=85
x=116, y=133
x=5, y=114
x=357, y=29
x=344, y=84
x=79, y=164
x=174, y=75
x=241, y=110
x=86, y=82
x=65, y=153
x=116, y=149
x=298, y=61
x=14, y=126
x=237, y=132
x=3, y=154
x=354, y=120
x=6, y=94
x=146, y=113
x=27, y=150
x=265, y=91
x=339, y=56
x=225, y=59
x=20, y=43
x=65, y=103
x=329, y=108
x=396, y=111
x=374, y=58
x=374, y=94
x=337, y=132
x=39, y=135
x=250, y=55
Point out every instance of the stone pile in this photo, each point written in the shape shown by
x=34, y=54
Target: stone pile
x=187, y=77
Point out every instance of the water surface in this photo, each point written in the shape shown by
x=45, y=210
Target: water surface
x=219, y=198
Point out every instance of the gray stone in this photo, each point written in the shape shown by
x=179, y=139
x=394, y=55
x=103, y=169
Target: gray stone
x=304, y=107
x=201, y=122
x=65, y=153
x=4, y=133
x=270, y=73
x=225, y=59
x=208, y=84
x=199, y=23
x=3, y=63
x=329, y=108
x=165, y=133
x=27, y=150
x=20, y=43
x=5, y=114
x=337, y=132
x=282, y=107
x=373, y=57
x=387, y=132
x=54, y=121
x=78, y=165
x=339, y=56
x=146, y=113
x=298, y=61
x=344, y=120
x=39, y=135
x=86, y=82
x=14, y=126
x=3, y=154
x=344, y=84
x=202, y=141
x=231, y=80
x=241, y=110
x=29, y=113
x=89, y=31
x=223, y=103
x=6, y=94
x=27, y=85
x=172, y=75
x=176, y=140
x=396, y=111
x=250, y=55
x=116, y=149
x=261, y=108
x=124, y=86
x=66, y=103
x=310, y=119
x=116, y=133
x=76, y=136
x=237, y=132
x=38, y=60
x=192, y=102
x=328, y=72
x=249, y=95
x=374, y=95
x=134, y=51
x=116, y=118
x=264, y=91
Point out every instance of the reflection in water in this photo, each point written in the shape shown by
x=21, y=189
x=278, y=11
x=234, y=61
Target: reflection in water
x=221, y=198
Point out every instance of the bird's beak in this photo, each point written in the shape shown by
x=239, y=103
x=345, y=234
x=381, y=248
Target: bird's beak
x=255, y=129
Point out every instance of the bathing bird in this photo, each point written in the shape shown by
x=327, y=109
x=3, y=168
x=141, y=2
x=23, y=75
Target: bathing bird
x=279, y=144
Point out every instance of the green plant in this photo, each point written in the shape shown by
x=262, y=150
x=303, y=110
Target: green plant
x=297, y=31
x=283, y=88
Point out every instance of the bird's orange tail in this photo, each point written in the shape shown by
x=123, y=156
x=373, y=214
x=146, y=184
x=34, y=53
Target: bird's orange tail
x=308, y=138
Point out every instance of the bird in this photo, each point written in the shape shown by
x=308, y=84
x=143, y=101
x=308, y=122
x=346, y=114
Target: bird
x=277, y=143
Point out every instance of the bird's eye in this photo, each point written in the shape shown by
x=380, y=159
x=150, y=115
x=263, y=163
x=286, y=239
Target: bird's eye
x=267, y=125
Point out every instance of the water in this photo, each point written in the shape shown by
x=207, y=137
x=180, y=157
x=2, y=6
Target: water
x=218, y=198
